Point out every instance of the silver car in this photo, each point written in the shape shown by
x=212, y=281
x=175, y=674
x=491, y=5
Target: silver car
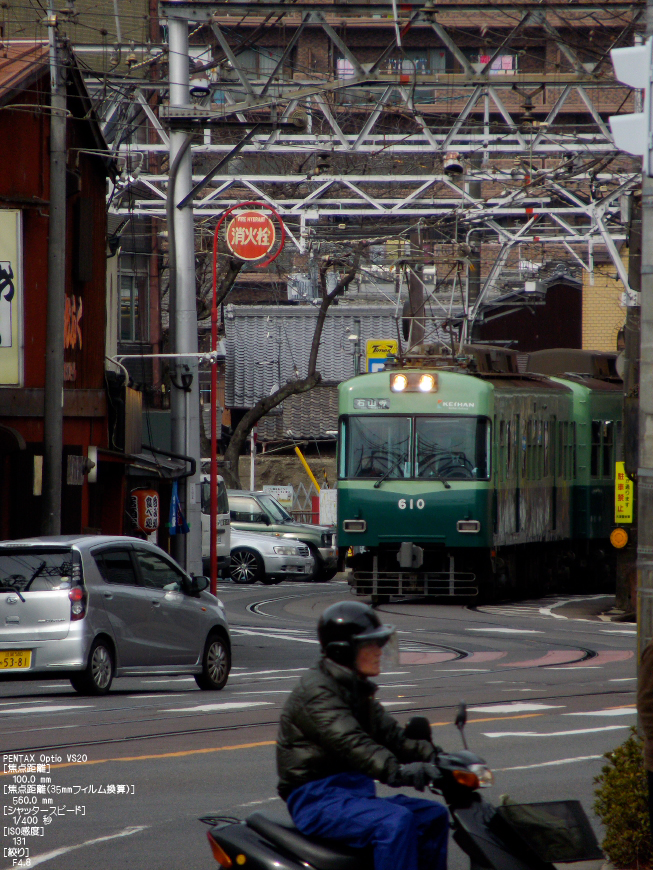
x=93, y=607
x=269, y=558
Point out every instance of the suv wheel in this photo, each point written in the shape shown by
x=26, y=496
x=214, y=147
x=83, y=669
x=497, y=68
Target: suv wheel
x=96, y=678
x=246, y=566
x=216, y=664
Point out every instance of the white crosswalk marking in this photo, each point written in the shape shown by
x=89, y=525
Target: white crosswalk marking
x=554, y=733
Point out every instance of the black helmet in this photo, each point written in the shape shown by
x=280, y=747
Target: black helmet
x=346, y=626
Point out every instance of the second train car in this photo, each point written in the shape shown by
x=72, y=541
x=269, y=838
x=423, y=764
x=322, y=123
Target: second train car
x=465, y=477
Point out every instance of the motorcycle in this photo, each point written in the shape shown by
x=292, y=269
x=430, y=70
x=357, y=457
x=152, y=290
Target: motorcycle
x=508, y=837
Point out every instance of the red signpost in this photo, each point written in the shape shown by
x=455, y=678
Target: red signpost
x=251, y=235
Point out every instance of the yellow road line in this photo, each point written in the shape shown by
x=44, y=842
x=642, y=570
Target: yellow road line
x=152, y=757
x=185, y=752
x=493, y=719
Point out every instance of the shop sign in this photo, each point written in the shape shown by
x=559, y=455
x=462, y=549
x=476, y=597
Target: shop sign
x=11, y=297
x=145, y=510
x=379, y=351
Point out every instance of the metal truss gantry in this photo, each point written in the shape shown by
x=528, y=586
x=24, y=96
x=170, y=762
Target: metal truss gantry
x=526, y=179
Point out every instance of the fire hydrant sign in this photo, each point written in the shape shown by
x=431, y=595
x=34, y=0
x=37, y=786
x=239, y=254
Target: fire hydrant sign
x=251, y=235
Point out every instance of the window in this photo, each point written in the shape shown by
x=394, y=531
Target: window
x=223, y=501
x=596, y=448
x=36, y=571
x=378, y=446
x=602, y=448
x=344, y=68
x=275, y=510
x=133, y=314
x=444, y=447
x=156, y=573
x=607, y=446
x=245, y=509
x=503, y=64
x=116, y=566
x=451, y=447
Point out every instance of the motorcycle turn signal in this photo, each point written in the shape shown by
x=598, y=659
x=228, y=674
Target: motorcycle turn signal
x=466, y=778
x=218, y=853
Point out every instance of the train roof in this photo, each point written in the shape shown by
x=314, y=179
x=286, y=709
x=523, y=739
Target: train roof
x=599, y=366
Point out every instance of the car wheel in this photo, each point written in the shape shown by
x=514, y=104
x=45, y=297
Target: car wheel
x=316, y=575
x=216, y=664
x=246, y=566
x=328, y=574
x=97, y=677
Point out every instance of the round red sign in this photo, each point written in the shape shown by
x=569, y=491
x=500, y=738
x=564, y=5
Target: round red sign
x=251, y=235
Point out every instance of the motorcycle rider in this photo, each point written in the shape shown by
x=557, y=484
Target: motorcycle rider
x=335, y=739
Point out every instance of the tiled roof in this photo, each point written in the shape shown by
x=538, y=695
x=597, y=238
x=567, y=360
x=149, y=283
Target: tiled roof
x=308, y=415
x=266, y=343
x=21, y=62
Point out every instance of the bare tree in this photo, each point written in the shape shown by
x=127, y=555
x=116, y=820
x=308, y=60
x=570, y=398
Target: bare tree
x=347, y=265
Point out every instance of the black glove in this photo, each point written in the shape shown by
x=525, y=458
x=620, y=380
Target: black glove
x=417, y=775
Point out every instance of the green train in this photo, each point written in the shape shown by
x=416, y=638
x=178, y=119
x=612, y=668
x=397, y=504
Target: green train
x=463, y=476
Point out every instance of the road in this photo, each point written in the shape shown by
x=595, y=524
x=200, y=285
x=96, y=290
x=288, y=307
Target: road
x=549, y=689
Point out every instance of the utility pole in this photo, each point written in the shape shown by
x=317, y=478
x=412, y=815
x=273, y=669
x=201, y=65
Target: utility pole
x=54, y=345
x=416, y=289
x=185, y=402
x=475, y=189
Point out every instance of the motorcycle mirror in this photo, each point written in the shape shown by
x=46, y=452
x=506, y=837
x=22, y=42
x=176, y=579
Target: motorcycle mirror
x=418, y=728
x=461, y=719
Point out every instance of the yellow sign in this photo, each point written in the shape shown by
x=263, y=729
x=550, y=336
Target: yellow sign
x=378, y=350
x=623, y=495
x=11, y=292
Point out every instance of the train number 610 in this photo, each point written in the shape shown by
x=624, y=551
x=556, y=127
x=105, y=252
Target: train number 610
x=410, y=503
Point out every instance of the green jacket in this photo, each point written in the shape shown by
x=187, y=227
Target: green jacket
x=331, y=723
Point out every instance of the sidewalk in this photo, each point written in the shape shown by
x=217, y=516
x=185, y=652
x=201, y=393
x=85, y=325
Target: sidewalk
x=601, y=608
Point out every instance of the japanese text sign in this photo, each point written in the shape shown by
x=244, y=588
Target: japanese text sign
x=251, y=235
x=10, y=296
x=623, y=495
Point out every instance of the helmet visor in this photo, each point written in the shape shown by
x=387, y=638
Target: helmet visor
x=384, y=636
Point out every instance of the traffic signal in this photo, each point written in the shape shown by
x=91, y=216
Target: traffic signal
x=632, y=133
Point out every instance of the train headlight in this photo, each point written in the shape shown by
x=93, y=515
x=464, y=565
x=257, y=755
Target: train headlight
x=426, y=383
x=399, y=383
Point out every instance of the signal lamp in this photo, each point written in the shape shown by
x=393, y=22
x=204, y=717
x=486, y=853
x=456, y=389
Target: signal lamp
x=426, y=383
x=399, y=383
x=466, y=778
x=218, y=853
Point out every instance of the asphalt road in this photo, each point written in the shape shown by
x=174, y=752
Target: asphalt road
x=549, y=687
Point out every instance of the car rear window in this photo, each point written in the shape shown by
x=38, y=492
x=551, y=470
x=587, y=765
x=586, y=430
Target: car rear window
x=38, y=570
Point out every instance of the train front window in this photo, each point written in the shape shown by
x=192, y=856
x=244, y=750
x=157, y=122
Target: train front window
x=378, y=447
x=454, y=448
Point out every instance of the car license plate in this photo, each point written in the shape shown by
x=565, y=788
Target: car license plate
x=15, y=659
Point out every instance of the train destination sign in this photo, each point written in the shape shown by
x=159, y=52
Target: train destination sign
x=251, y=235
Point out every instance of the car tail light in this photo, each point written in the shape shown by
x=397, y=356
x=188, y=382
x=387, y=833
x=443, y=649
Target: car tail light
x=218, y=852
x=466, y=778
x=77, y=597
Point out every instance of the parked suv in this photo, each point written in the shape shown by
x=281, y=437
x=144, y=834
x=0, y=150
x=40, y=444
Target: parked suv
x=93, y=607
x=260, y=512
